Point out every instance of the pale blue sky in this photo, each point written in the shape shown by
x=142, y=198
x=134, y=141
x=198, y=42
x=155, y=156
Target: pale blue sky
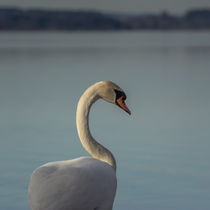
x=131, y=6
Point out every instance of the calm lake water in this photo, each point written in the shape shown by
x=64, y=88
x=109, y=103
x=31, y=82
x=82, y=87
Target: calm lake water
x=162, y=149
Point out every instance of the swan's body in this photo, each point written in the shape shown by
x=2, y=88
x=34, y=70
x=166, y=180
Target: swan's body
x=86, y=183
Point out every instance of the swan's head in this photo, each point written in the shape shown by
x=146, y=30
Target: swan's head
x=112, y=93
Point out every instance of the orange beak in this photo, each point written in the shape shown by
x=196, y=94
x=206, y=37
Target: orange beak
x=121, y=104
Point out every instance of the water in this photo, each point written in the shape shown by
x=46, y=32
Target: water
x=162, y=149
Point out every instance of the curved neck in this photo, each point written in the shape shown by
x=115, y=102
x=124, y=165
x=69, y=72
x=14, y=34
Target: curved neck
x=89, y=143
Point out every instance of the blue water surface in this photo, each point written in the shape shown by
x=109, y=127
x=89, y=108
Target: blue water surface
x=162, y=149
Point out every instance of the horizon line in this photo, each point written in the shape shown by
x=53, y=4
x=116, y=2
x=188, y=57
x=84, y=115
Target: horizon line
x=104, y=11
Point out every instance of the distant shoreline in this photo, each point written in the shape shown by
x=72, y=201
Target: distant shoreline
x=15, y=19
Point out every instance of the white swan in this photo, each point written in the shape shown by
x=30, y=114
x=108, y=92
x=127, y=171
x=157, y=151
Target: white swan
x=85, y=183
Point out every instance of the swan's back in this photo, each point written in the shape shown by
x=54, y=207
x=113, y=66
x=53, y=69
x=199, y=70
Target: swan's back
x=80, y=184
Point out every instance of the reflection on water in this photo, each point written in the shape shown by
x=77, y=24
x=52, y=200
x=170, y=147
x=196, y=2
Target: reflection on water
x=162, y=149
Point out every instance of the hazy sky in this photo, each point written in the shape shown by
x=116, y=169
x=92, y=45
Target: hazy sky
x=131, y=6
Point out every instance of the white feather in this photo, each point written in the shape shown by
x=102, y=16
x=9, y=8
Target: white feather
x=85, y=183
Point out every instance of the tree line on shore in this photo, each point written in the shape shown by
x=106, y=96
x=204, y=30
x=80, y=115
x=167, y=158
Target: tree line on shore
x=12, y=19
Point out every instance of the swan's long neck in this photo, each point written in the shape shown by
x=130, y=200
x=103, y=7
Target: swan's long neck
x=89, y=143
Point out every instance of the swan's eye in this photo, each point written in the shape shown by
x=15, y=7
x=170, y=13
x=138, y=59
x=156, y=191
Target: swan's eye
x=120, y=94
